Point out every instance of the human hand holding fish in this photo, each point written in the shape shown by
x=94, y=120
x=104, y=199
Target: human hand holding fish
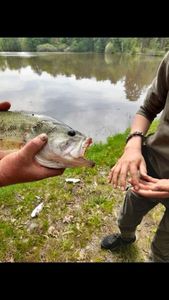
x=20, y=166
x=39, y=147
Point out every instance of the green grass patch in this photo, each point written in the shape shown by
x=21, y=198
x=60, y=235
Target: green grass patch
x=73, y=216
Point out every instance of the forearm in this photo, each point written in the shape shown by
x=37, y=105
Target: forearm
x=140, y=123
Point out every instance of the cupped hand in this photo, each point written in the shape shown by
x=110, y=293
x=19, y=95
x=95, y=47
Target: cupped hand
x=150, y=187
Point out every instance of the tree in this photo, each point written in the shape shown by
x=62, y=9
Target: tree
x=30, y=44
x=100, y=44
x=10, y=44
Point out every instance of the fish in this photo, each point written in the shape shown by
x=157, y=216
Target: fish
x=65, y=147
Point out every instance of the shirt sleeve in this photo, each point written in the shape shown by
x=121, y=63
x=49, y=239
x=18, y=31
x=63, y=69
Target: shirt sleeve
x=157, y=93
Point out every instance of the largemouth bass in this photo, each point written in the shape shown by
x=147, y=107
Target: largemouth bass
x=65, y=147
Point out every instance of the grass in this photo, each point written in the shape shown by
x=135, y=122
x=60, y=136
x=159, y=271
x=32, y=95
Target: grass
x=75, y=217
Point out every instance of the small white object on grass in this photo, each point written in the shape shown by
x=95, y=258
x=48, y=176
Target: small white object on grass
x=72, y=180
x=37, y=210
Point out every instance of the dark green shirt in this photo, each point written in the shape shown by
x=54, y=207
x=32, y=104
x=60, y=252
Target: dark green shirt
x=157, y=100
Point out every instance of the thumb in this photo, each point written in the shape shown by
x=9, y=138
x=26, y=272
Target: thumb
x=149, y=178
x=34, y=146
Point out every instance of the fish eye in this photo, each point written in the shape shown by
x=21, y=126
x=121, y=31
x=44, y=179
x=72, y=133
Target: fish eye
x=71, y=132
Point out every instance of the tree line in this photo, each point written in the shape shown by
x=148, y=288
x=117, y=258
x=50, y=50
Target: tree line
x=86, y=44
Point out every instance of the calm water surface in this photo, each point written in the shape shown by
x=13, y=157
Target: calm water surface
x=93, y=93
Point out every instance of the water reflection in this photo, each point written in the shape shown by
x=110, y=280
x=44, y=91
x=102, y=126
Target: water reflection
x=94, y=93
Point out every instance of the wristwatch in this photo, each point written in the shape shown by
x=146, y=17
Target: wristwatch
x=136, y=133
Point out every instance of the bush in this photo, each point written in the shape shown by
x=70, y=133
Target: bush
x=74, y=47
x=60, y=47
x=46, y=48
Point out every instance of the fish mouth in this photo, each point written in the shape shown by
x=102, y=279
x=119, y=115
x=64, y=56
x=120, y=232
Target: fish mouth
x=71, y=159
x=86, y=144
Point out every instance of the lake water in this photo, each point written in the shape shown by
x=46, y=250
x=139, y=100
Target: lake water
x=94, y=93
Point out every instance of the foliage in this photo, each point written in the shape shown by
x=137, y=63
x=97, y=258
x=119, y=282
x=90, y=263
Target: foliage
x=46, y=48
x=150, y=46
x=10, y=44
x=30, y=44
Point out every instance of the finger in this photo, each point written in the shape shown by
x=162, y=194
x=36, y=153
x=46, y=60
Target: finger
x=144, y=186
x=46, y=172
x=148, y=183
x=129, y=180
x=115, y=177
x=149, y=178
x=134, y=175
x=5, y=106
x=110, y=174
x=123, y=175
x=141, y=183
x=158, y=187
x=34, y=146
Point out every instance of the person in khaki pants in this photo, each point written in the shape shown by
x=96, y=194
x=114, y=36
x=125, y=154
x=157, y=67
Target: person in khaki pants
x=146, y=160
